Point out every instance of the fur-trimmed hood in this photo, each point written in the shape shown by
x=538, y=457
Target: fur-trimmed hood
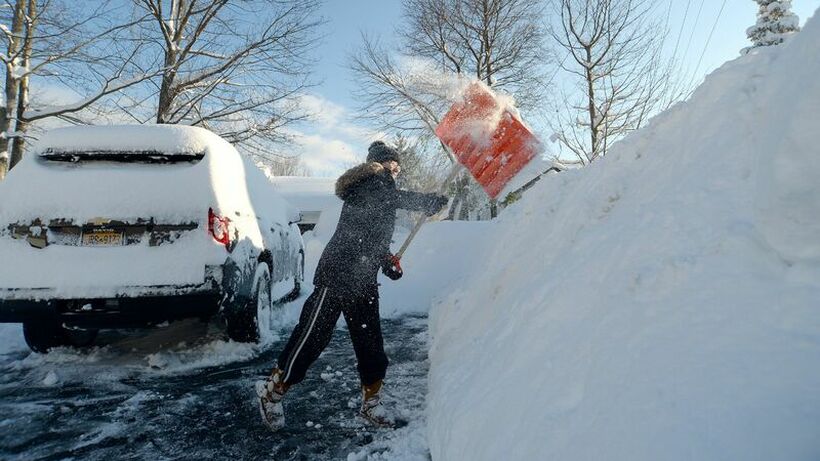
x=355, y=176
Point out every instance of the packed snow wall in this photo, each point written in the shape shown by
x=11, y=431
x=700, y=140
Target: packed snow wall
x=663, y=303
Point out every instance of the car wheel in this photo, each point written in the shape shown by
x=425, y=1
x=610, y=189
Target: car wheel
x=44, y=335
x=244, y=323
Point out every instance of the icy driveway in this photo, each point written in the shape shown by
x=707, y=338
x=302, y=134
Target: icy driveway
x=132, y=399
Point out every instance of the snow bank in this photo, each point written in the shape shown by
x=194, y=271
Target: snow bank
x=11, y=339
x=437, y=259
x=661, y=304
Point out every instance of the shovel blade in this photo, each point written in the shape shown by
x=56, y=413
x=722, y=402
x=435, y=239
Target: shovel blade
x=488, y=138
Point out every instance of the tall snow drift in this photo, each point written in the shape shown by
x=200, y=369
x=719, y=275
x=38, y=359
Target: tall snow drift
x=663, y=303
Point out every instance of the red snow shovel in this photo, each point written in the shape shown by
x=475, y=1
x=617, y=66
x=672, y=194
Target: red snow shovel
x=488, y=138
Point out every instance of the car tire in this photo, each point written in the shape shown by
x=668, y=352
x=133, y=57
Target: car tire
x=244, y=323
x=43, y=335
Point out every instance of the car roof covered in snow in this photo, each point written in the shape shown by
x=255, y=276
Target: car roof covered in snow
x=173, y=192
x=119, y=138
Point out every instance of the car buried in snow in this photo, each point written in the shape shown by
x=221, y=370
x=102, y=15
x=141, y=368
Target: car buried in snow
x=131, y=226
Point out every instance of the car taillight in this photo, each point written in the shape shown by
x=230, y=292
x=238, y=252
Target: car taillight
x=219, y=227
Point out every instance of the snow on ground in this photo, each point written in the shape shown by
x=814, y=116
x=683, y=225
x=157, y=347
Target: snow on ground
x=178, y=348
x=661, y=304
x=11, y=338
x=103, y=404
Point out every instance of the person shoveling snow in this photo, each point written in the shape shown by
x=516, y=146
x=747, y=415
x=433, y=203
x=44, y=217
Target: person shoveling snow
x=345, y=283
x=485, y=134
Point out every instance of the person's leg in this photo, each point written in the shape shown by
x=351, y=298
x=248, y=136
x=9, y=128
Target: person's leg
x=310, y=337
x=362, y=317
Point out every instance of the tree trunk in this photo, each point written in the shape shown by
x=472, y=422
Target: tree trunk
x=166, y=92
x=7, y=112
x=593, y=130
x=22, y=98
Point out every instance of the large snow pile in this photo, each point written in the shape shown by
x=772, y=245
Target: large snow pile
x=661, y=304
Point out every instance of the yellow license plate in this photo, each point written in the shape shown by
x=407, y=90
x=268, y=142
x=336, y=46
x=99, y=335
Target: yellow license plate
x=102, y=239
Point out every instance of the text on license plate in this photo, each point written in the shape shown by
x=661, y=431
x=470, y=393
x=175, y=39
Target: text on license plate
x=108, y=238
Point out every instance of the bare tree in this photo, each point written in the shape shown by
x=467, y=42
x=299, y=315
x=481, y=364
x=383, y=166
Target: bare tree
x=499, y=42
x=14, y=38
x=618, y=75
x=233, y=67
x=65, y=48
x=397, y=94
x=445, y=44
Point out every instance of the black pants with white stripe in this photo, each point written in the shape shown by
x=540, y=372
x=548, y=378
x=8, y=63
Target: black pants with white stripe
x=315, y=328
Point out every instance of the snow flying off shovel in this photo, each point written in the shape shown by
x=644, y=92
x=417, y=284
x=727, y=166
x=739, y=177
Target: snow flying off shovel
x=488, y=138
x=485, y=134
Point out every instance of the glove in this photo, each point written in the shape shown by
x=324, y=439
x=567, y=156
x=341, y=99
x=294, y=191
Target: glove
x=392, y=267
x=437, y=203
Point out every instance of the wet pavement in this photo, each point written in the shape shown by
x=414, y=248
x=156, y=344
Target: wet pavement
x=188, y=395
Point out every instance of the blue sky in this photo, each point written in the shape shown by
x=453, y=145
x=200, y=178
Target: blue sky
x=336, y=140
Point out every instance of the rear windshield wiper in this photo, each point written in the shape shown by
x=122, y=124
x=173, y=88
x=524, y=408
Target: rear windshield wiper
x=146, y=156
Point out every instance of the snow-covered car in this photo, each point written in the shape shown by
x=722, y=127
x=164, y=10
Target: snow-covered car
x=128, y=226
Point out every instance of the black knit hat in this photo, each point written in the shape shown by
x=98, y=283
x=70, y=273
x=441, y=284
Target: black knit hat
x=380, y=152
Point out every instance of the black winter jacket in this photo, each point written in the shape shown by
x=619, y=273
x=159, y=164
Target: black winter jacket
x=361, y=244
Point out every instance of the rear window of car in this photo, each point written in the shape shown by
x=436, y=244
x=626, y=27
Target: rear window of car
x=152, y=157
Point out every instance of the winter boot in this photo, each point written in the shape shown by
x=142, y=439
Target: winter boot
x=270, y=393
x=372, y=409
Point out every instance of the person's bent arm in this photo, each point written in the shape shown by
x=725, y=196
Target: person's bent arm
x=430, y=204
